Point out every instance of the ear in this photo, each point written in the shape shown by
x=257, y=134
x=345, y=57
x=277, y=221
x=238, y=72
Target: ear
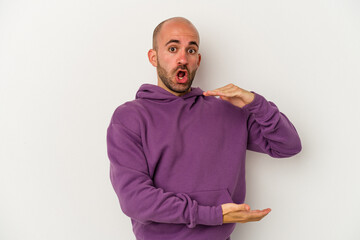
x=152, y=57
x=199, y=59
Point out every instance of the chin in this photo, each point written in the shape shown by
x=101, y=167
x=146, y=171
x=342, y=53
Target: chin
x=180, y=90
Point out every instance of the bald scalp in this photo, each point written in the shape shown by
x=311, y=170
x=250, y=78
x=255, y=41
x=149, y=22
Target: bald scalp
x=158, y=29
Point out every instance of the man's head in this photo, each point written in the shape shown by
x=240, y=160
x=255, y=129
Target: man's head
x=175, y=54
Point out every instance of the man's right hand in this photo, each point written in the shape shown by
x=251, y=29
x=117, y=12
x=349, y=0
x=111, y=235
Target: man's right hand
x=241, y=213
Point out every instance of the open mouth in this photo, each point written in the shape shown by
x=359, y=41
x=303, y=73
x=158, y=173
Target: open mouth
x=181, y=74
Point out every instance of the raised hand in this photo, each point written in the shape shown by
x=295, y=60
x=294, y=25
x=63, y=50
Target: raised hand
x=233, y=94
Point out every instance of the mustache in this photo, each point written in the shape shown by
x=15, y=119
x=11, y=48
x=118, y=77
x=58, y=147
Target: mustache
x=182, y=67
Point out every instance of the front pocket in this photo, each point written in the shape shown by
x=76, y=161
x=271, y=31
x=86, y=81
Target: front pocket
x=211, y=197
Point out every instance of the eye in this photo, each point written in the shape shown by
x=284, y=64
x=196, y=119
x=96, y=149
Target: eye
x=172, y=49
x=191, y=51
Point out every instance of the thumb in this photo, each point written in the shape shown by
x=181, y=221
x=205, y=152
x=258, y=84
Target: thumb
x=224, y=98
x=233, y=207
x=243, y=207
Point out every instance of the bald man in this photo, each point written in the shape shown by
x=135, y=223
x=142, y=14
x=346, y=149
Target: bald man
x=177, y=153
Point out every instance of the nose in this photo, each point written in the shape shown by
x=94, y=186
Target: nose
x=182, y=58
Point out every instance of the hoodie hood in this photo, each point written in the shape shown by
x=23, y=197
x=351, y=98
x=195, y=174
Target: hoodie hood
x=154, y=92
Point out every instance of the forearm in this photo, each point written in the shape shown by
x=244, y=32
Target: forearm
x=270, y=131
x=138, y=197
x=145, y=203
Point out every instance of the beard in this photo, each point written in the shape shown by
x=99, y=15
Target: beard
x=175, y=86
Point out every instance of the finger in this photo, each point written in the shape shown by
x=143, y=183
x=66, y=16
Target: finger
x=218, y=91
x=257, y=215
x=224, y=93
x=228, y=91
x=212, y=93
x=258, y=210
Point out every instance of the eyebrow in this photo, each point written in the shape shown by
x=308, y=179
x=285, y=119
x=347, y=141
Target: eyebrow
x=177, y=41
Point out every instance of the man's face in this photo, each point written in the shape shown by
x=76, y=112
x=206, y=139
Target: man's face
x=177, y=57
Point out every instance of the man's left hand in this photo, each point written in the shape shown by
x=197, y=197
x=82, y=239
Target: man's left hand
x=233, y=94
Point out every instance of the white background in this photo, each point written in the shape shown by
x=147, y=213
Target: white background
x=66, y=65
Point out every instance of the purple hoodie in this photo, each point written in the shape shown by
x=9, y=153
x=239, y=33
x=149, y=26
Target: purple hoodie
x=175, y=160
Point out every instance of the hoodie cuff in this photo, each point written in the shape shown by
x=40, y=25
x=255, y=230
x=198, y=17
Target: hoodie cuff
x=259, y=106
x=210, y=215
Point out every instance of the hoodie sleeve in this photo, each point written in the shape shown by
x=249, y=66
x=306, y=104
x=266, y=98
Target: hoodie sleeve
x=138, y=197
x=269, y=130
